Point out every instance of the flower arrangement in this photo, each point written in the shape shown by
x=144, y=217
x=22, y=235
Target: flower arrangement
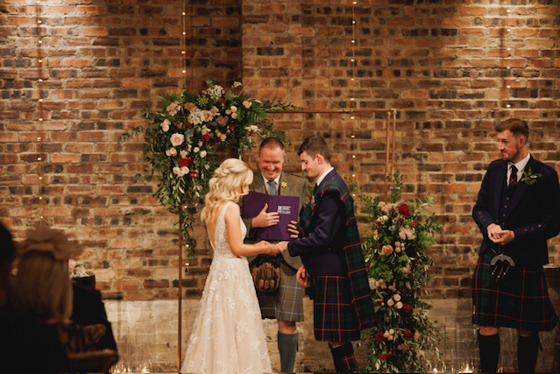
x=183, y=139
x=397, y=260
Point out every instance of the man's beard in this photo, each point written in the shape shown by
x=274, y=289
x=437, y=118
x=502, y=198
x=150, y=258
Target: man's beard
x=507, y=157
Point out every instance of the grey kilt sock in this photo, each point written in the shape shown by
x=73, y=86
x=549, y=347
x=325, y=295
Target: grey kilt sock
x=287, y=346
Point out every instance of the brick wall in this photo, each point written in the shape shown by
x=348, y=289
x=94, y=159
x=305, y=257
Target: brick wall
x=442, y=65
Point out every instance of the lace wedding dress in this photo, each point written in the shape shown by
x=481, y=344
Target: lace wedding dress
x=228, y=335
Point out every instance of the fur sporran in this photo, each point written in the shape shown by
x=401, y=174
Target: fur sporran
x=265, y=270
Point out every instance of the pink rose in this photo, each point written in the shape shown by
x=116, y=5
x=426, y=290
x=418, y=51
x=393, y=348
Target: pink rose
x=177, y=139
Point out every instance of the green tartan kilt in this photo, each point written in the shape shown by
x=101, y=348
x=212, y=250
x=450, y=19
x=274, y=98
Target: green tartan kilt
x=334, y=317
x=520, y=302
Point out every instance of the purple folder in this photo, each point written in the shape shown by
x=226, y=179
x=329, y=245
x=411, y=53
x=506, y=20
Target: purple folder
x=286, y=206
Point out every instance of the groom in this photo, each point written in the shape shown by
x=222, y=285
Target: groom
x=333, y=264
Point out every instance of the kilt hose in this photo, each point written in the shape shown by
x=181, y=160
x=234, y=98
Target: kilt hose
x=334, y=316
x=286, y=304
x=521, y=302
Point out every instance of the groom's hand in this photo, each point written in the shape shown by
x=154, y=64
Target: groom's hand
x=292, y=229
x=264, y=219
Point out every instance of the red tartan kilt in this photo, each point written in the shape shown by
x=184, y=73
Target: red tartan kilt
x=334, y=317
x=521, y=303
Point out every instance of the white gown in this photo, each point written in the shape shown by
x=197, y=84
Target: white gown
x=228, y=334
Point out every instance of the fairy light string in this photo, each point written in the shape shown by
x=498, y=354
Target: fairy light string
x=40, y=114
x=353, y=104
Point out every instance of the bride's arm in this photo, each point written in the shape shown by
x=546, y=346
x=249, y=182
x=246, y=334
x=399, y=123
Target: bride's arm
x=235, y=239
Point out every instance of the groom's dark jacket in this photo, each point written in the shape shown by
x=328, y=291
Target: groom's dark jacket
x=533, y=213
x=330, y=242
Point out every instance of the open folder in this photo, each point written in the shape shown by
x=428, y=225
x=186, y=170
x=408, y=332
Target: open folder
x=286, y=206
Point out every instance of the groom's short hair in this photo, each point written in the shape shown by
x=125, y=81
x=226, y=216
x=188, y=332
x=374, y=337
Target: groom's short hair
x=315, y=145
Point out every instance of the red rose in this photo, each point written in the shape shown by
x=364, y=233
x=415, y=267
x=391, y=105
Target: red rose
x=383, y=356
x=220, y=103
x=389, y=354
x=194, y=174
x=188, y=125
x=414, y=223
x=248, y=133
x=404, y=210
x=379, y=337
x=408, y=334
x=407, y=308
x=206, y=137
x=185, y=161
x=378, y=244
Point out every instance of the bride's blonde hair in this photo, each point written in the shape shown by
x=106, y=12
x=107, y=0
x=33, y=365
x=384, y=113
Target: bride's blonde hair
x=225, y=185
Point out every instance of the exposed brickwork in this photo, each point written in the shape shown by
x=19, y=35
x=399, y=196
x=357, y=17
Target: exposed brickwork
x=442, y=65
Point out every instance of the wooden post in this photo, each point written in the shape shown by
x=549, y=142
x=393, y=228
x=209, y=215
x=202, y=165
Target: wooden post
x=180, y=296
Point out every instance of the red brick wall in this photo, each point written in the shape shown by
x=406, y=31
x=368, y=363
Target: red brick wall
x=442, y=65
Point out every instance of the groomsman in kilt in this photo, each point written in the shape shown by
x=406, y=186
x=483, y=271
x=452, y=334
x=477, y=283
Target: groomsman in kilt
x=517, y=211
x=333, y=264
x=286, y=303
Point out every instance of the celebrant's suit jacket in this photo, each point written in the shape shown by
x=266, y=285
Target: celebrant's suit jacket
x=288, y=185
x=533, y=213
x=329, y=242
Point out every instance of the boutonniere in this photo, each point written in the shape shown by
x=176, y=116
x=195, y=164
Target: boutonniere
x=284, y=185
x=313, y=203
x=529, y=178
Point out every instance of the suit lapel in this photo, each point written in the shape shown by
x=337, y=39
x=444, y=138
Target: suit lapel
x=258, y=183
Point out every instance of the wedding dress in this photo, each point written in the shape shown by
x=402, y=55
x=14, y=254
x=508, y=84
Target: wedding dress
x=228, y=334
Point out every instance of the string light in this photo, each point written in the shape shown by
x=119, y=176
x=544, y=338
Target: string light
x=507, y=74
x=40, y=113
x=184, y=42
x=353, y=89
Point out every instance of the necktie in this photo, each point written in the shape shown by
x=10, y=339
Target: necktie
x=513, y=177
x=272, y=187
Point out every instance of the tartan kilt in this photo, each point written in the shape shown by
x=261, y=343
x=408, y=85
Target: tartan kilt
x=522, y=302
x=286, y=304
x=334, y=316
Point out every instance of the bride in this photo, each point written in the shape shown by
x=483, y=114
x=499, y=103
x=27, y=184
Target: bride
x=228, y=335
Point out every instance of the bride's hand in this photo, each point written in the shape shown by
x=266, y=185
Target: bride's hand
x=274, y=249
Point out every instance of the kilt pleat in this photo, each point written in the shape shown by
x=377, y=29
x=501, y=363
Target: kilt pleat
x=334, y=316
x=521, y=302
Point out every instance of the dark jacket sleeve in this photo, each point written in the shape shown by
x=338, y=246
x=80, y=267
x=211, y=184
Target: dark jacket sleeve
x=481, y=210
x=328, y=224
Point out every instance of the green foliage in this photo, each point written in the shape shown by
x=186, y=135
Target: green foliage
x=182, y=139
x=397, y=261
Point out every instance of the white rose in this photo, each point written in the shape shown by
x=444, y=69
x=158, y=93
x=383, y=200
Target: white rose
x=203, y=154
x=171, y=152
x=397, y=297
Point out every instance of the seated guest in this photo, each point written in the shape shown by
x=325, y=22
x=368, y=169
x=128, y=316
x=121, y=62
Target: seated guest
x=40, y=336
x=6, y=256
x=90, y=310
